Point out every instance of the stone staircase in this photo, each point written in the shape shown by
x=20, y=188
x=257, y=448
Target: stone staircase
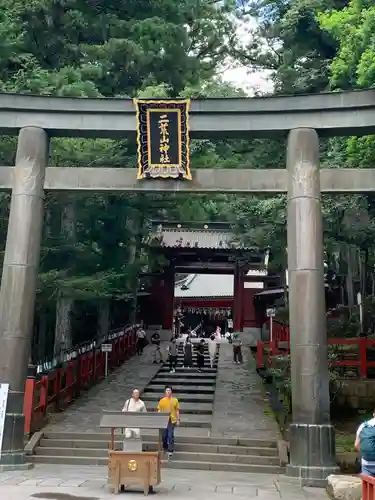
x=195, y=448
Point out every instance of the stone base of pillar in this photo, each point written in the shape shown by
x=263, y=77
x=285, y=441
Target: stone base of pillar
x=312, y=454
x=12, y=450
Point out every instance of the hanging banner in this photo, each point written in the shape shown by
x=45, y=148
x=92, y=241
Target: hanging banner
x=163, y=138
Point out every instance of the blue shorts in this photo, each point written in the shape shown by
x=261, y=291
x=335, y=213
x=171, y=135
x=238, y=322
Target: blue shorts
x=368, y=469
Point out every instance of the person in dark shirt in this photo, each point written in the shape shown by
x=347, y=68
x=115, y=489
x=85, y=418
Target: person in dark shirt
x=172, y=351
x=188, y=353
x=237, y=349
x=200, y=355
x=156, y=341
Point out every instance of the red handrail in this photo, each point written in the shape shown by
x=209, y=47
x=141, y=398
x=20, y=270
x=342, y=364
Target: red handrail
x=277, y=347
x=280, y=331
x=55, y=390
x=368, y=487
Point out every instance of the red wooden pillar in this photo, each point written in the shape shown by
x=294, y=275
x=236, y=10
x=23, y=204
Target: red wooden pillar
x=238, y=299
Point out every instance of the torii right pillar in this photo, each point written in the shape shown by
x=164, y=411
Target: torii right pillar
x=311, y=435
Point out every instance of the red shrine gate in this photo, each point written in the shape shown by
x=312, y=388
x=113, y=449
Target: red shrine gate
x=235, y=275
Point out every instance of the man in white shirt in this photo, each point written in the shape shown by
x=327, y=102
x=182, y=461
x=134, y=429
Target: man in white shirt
x=141, y=340
x=134, y=404
x=368, y=466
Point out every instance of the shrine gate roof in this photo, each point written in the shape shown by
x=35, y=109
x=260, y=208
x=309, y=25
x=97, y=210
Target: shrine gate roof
x=219, y=236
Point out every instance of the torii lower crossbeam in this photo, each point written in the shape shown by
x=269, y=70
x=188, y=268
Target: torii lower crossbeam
x=238, y=181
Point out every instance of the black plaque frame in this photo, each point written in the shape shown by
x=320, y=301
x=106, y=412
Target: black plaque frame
x=148, y=110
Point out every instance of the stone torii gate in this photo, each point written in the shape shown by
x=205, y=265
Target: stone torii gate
x=299, y=118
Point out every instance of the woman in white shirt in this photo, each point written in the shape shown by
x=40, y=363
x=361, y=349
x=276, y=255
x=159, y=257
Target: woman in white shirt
x=134, y=404
x=212, y=349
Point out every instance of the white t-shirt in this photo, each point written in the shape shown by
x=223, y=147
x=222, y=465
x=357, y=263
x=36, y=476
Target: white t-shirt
x=371, y=423
x=133, y=405
x=141, y=334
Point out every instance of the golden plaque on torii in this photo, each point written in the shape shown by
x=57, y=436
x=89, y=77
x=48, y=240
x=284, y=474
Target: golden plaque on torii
x=163, y=138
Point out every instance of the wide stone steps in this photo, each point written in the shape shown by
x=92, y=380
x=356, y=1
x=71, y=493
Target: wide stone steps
x=195, y=394
x=197, y=453
x=151, y=437
x=195, y=449
x=84, y=444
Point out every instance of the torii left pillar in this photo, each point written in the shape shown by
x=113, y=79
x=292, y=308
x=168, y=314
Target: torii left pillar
x=18, y=285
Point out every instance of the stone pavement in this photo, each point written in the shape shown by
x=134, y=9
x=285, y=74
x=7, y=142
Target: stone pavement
x=64, y=482
x=84, y=414
x=241, y=406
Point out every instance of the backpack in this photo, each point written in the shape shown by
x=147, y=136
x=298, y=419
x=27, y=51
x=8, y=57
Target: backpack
x=367, y=443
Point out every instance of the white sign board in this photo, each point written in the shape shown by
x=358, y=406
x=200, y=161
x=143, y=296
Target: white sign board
x=106, y=347
x=4, y=389
x=271, y=313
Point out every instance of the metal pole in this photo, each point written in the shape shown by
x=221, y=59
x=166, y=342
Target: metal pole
x=271, y=328
x=106, y=364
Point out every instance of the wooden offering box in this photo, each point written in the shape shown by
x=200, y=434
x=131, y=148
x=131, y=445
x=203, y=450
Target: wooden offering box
x=132, y=466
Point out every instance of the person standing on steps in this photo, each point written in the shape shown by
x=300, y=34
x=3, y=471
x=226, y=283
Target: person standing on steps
x=136, y=404
x=171, y=405
x=156, y=341
x=172, y=352
x=212, y=349
x=188, y=353
x=200, y=355
x=141, y=340
x=237, y=349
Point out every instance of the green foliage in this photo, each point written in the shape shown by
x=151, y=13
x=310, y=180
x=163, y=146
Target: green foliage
x=93, y=246
x=353, y=28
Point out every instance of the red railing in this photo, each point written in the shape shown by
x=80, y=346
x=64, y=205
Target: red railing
x=368, y=487
x=55, y=390
x=280, y=331
x=362, y=363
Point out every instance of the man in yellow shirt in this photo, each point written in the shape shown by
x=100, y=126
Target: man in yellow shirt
x=169, y=404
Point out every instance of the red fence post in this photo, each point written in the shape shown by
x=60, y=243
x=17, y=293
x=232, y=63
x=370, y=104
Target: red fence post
x=368, y=487
x=28, y=404
x=363, y=357
x=260, y=360
x=69, y=382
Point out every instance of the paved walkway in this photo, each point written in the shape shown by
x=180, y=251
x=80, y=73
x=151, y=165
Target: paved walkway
x=64, y=482
x=241, y=406
x=110, y=394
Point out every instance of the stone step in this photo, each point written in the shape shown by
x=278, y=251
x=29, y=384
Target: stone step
x=152, y=446
x=153, y=397
x=188, y=375
x=194, y=369
x=225, y=467
x=180, y=360
x=170, y=464
x=193, y=389
x=183, y=381
x=179, y=455
x=101, y=435
x=193, y=408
